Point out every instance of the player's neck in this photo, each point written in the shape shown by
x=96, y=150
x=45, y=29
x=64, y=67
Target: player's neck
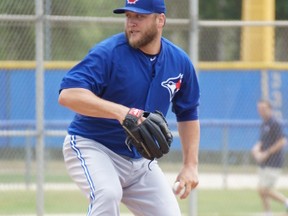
x=153, y=48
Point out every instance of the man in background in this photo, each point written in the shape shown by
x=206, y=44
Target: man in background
x=269, y=154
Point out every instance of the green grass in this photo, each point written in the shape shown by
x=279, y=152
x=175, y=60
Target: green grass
x=210, y=202
x=55, y=202
x=229, y=202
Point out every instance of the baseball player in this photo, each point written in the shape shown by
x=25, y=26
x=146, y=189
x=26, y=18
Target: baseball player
x=269, y=154
x=127, y=75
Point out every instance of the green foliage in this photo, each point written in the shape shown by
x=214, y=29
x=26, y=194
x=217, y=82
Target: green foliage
x=220, y=10
x=15, y=7
x=71, y=41
x=81, y=8
x=281, y=10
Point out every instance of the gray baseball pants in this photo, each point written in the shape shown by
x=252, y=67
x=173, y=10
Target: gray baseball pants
x=107, y=179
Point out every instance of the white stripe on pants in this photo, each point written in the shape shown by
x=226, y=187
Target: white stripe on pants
x=107, y=179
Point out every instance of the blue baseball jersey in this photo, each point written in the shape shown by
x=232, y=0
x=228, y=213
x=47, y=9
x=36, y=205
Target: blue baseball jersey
x=116, y=72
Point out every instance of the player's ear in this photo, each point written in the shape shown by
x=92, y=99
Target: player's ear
x=161, y=20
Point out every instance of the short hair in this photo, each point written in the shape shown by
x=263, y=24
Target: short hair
x=265, y=101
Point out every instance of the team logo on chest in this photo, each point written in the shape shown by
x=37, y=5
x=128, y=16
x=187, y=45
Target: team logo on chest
x=132, y=1
x=173, y=85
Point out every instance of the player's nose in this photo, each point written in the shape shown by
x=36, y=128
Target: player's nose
x=131, y=22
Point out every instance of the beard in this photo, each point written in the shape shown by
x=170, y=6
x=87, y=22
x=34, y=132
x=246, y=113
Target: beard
x=144, y=39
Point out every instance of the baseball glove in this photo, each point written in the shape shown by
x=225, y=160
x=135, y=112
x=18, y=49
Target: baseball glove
x=152, y=137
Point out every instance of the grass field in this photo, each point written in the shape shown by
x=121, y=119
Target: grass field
x=210, y=202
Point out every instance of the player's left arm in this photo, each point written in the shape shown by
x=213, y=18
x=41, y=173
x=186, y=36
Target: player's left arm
x=189, y=132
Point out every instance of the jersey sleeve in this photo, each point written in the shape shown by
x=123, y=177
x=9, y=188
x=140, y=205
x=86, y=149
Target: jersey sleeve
x=91, y=73
x=186, y=101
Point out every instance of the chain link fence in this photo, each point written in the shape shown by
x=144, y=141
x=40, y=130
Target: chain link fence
x=229, y=118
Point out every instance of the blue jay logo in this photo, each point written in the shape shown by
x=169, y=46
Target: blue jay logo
x=132, y=1
x=173, y=85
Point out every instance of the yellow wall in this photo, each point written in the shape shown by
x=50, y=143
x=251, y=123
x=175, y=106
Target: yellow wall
x=66, y=65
